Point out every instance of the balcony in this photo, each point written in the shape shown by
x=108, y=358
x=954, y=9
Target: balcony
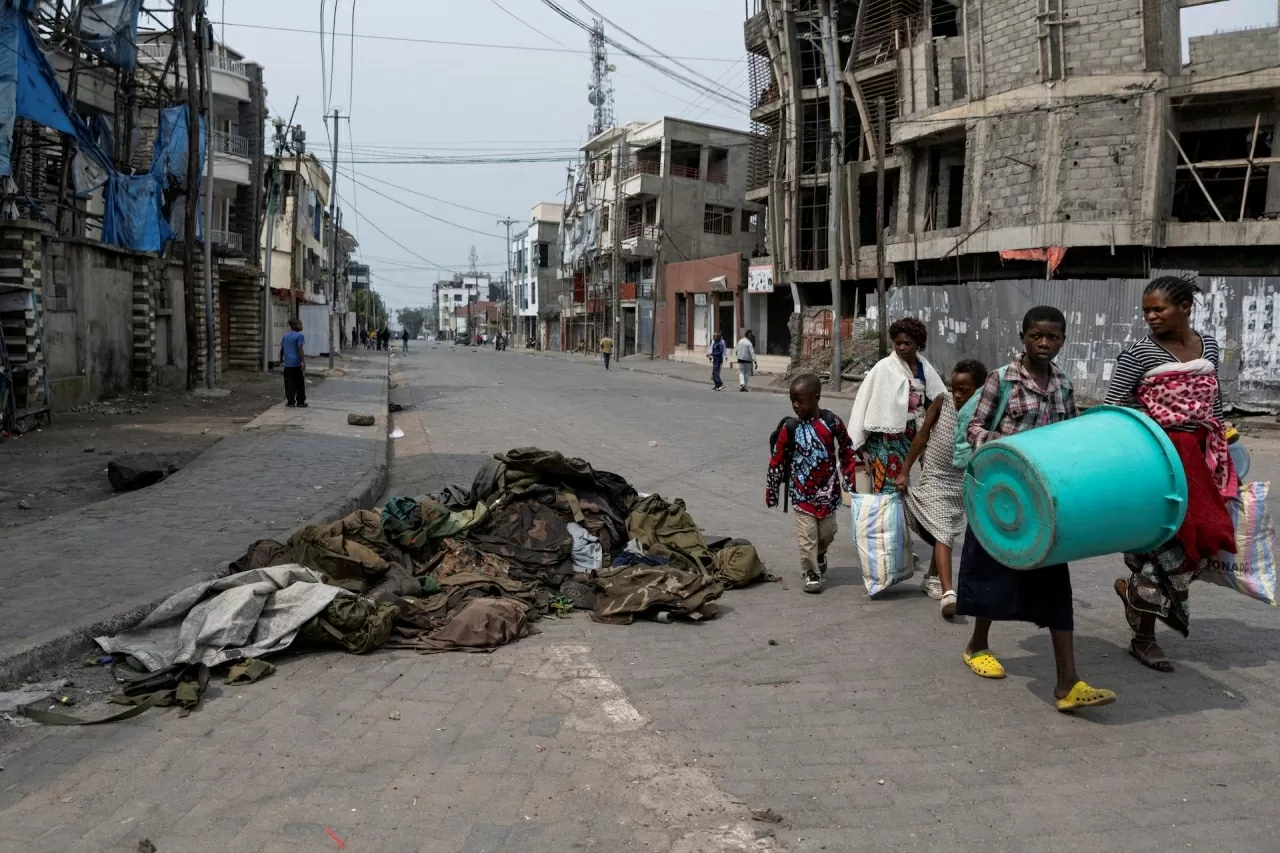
x=228, y=241
x=231, y=81
x=642, y=178
x=230, y=144
x=640, y=240
x=693, y=173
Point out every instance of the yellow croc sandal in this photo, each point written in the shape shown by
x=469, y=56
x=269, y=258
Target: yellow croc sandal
x=1084, y=696
x=984, y=663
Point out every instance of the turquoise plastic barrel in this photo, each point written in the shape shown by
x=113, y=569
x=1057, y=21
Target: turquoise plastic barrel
x=1105, y=482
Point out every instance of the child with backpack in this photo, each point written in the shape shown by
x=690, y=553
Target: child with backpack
x=935, y=504
x=1028, y=393
x=808, y=455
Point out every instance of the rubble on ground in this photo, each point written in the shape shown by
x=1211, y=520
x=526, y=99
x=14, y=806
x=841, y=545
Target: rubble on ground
x=471, y=568
x=857, y=356
x=137, y=471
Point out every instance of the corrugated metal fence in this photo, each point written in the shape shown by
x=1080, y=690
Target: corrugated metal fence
x=983, y=320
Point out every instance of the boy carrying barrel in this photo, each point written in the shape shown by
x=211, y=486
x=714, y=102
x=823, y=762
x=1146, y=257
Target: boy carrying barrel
x=1030, y=392
x=807, y=455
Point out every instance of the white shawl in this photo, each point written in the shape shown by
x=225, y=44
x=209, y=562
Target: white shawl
x=882, y=401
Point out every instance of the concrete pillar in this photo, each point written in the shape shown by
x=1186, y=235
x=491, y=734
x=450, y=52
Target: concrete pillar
x=1273, y=181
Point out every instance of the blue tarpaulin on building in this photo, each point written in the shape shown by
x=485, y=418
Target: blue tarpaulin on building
x=111, y=31
x=29, y=89
x=134, y=216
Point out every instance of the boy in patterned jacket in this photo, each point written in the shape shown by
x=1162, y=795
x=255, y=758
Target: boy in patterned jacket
x=808, y=455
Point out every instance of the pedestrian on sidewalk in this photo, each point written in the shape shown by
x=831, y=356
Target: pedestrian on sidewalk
x=745, y=352
x=716, y=356
x=808, y=455
x=404, y=339
x=606, y=347
x=1030, y=392
x=935, y=504
x=293, y=362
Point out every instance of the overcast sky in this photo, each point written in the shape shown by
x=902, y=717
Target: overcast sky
x=442, y=100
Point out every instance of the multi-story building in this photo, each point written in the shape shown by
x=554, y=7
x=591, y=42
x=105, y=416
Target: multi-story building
x=359, y=276
x=454, y=294
x=650, y=193
x=535, y=264
x=1022, y=143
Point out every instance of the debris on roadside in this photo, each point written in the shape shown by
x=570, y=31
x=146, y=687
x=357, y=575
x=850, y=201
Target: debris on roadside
x=470, y=568
x=360, y=420
x=137, y=471
x=12, y=700
x=766, y=816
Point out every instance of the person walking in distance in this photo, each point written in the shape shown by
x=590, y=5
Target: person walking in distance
x=293, y=361
x=606, y=347
x=716, y=356
x=745, y=352
x=808, y=455
x=404, y=339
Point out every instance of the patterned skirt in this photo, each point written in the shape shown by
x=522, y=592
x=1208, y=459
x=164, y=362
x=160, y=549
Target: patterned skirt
x=886, y=455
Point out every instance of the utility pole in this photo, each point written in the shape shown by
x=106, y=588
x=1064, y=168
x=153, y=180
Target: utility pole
x=183, y=12
x=659, y=279
x=833, y=206
x=273, y=189
x=616, y=267
x=507, y=294
x=206, y=60
x=881, y=308
x=333, y=238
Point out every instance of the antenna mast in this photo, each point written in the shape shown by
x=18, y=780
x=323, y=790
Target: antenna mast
x=600, y=94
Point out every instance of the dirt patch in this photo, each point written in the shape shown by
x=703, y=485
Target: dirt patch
x=53, y=470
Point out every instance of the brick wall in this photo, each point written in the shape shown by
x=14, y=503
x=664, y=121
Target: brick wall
x=1096, y=178
x=1011, y=189
x=1237, y=51
x=1009, y=42
x=1105, y=36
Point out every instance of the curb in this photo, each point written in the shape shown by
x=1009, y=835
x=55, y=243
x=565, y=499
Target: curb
x=767, y=389
x=51, y=648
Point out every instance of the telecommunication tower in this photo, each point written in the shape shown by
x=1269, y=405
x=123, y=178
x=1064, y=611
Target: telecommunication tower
x=600, y=93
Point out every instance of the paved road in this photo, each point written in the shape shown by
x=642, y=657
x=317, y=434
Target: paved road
x=861, y=727
x=88, y=565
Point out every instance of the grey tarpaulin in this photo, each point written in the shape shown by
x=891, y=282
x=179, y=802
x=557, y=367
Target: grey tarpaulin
x=246, y=615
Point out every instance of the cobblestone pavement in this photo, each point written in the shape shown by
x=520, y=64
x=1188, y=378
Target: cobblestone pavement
x=853, y=720
x=276, y=471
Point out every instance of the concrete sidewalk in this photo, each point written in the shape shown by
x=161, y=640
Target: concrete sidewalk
x=99, y=569
x=689, y=372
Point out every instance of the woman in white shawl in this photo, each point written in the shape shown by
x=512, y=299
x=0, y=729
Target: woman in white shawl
x=891, y=404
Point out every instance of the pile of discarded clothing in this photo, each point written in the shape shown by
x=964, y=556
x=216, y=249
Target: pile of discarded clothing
x=470, y=568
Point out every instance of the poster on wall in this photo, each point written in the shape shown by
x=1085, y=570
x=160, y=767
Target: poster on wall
x=760, y=279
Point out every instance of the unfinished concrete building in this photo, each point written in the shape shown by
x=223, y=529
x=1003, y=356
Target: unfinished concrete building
x=1026, y=141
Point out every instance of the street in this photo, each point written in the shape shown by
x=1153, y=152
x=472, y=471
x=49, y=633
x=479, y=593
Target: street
x=854, y=721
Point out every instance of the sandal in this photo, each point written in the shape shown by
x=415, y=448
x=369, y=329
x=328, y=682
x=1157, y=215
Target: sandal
x=1082, y=695
x=1140, y=649
x=984, y=663
x=948, y=604
x=1131, y=615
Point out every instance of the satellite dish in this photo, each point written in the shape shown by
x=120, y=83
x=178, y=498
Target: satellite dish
x=612, y=68
x=594, y=98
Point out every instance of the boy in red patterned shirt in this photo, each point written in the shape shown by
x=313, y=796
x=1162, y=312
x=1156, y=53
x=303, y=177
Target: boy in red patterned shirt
x=809, y=453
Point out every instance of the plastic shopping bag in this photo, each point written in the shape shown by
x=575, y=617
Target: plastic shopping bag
x=1252, y=569
x=884, y=544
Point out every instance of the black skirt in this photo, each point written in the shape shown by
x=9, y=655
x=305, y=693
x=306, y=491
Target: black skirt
x=988, y=589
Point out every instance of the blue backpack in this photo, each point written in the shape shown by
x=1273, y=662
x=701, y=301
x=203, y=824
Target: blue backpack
x=963, y=451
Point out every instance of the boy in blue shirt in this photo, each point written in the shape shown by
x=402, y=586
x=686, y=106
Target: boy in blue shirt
x=293, y=360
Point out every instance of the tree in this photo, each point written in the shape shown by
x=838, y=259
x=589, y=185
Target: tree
x=412, y=319
x=371, y=313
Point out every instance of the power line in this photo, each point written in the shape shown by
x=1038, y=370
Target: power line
x=447, y=43
x=416, y=210
x=402, y=246
x=431, y=197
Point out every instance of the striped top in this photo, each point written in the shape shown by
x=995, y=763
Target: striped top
x=1141, y=356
